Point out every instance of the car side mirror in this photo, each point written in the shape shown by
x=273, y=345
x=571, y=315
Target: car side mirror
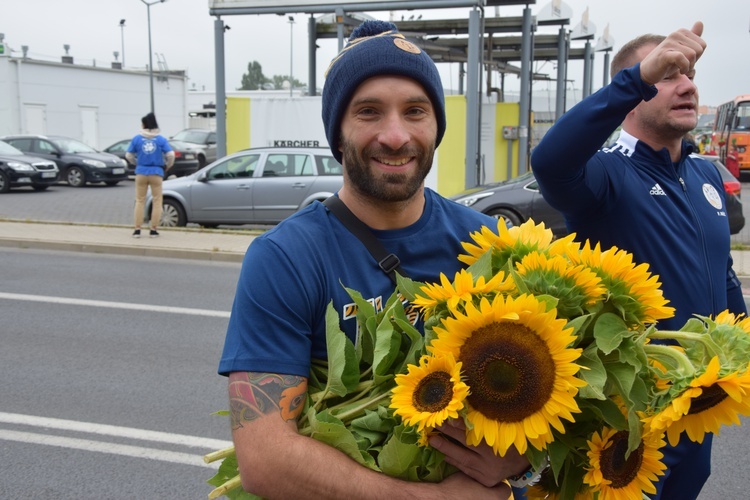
x=203, y=177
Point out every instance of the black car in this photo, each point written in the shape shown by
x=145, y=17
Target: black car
x=185, y=160
x=18, y=169
x=519, y=199
x=77, y=162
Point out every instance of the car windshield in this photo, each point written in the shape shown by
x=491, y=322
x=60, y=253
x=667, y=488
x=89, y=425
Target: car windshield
x=72, y=146
x=7, y=149
x=196, y=136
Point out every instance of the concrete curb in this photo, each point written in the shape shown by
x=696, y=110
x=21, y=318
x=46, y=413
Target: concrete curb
x=218, y=245
x=180, y=253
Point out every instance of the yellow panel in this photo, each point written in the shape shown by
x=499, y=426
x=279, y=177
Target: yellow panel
x=452, y=150
x=506, y=114
x=238, y=124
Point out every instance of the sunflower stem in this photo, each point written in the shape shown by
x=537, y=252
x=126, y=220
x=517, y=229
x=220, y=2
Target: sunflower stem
x=218, y=455
x=702, y=338
x=356, y=411
x=683, y=362
x=233, y=483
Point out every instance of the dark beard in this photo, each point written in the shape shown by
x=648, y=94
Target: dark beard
x=388, y=187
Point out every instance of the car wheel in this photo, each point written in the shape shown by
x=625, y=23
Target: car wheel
x=39, y=187
x=75, y=176
x=111, y=183
x=173, y=214
x=511, y=217
x=201, y=161
x=4, y=183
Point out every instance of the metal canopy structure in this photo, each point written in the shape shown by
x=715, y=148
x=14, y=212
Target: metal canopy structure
x=476, y=41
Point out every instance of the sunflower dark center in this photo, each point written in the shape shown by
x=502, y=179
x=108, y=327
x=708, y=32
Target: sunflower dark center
x=434, y=392
x=615, y=467
x=710, y=397
x=509, y=370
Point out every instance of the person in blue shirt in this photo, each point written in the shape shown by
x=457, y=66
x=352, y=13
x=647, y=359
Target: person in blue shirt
x=648, y=194
x=384, y=115
x=152, y=156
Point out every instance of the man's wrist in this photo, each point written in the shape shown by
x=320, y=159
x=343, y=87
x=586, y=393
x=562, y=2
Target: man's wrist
x=527, y=477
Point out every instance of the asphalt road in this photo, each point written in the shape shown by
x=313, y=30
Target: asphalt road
x=93, y=204
x=109, y=374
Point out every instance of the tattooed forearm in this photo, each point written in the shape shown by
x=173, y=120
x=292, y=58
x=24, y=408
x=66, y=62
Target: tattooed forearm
x=252, y=395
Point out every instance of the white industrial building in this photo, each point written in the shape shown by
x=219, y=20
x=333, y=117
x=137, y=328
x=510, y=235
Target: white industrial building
x=97, y=105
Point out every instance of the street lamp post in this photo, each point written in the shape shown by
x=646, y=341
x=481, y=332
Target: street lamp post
x=150, y=53
x=122, y=40
x=291, y=55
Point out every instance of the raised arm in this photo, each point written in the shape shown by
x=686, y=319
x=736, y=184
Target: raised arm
x=277, y=462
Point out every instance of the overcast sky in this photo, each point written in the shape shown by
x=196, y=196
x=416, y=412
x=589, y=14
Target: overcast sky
x=183, y=32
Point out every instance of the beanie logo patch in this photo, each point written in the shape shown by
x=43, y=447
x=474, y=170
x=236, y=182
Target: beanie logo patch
x=406, y=46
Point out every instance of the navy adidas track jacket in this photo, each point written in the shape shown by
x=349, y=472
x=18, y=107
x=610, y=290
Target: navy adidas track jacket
x=671, y=216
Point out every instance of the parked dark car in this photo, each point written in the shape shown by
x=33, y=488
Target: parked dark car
x=77, y=162
x=185, y=160
x=18, y=169
x=201, y=141
x=254, y=186
x=519, y=199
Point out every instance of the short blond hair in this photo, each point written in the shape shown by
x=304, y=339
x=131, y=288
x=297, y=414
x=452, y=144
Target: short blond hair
x=627, y=55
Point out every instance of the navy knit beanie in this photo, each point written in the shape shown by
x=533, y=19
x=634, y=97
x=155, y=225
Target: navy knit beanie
x=376, y=48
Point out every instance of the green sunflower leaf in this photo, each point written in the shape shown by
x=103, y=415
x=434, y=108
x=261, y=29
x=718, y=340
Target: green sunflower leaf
x=482, y=266
x=595, y=376
x=330, y=430
x=367, y=319
x=343, y=367
x=609, y=330
x=607, y=411
x=228, y=470
x=398, y=458
x=415, y=345
x=387, y=350
x=408, y=287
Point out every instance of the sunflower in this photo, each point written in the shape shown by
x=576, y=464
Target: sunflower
x=709, y=402
x=633, y=290
x=430, y=393
x=617, y=477
x=519, y=369
x=463, y=288
x=514, y=242
x=728, y=318
x=575, y=286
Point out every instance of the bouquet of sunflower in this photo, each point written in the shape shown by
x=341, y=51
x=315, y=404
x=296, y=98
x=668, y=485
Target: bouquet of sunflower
x=541, y=345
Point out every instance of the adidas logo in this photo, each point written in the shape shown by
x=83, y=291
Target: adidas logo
x=657, y=191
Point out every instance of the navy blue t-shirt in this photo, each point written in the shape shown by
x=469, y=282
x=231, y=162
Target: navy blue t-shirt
x=291, y=273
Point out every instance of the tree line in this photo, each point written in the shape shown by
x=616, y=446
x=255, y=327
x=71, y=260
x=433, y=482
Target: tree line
x=254, y=79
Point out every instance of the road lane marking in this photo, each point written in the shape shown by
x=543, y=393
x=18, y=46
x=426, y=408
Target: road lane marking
x=114, y=305
x=113, y=430
x=103, y=447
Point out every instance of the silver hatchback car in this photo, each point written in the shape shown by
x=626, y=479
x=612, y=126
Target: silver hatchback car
x=253, y=186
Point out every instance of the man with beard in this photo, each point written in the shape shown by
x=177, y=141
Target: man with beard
x=383, y=113
x=649, y=196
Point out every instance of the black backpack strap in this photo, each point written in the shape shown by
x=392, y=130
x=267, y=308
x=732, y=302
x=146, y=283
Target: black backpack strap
x=388, y=262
